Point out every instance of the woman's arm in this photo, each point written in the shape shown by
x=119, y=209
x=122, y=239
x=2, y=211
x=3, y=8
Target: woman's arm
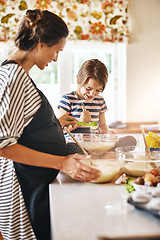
x=69, y=164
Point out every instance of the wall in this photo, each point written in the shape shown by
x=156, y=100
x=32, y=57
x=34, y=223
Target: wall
x=143, y=61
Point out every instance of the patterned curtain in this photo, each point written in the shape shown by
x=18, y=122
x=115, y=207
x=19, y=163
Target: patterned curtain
x=87, y=19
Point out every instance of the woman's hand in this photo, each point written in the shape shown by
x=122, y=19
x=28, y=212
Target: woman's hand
x=72, y=166
x=66, y=120
x=85, y=116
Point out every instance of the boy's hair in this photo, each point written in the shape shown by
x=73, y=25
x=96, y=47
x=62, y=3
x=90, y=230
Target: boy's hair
x=94, y=69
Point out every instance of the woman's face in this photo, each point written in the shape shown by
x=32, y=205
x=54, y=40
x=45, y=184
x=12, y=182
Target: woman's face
x=47, y=54
x=90, y=90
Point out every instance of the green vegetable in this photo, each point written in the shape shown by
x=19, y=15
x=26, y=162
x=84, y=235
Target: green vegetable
x=82, y=123
x=68, y=119
x=91, y=124
x=129, y=185
x=94, y=124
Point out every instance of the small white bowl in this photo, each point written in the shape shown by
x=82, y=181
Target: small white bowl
x=143, y=188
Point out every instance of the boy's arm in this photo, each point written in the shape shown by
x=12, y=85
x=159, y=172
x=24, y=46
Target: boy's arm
x=102, y=123
x=103, y=126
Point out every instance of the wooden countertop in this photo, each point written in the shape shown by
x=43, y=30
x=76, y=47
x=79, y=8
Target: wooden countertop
x=134, y=127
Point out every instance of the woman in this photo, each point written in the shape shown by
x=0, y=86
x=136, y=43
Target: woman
x=32, y=145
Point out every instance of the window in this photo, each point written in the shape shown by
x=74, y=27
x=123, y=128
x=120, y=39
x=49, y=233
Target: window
x=113, y=56
x=60, y=78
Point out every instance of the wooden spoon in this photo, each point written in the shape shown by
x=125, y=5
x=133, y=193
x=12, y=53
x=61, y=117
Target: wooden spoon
x=83, y=150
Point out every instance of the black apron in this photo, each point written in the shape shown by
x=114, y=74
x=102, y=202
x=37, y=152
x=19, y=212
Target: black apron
x=44, y=134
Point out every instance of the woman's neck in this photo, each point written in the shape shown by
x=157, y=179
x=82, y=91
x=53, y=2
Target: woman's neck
x=23, y=59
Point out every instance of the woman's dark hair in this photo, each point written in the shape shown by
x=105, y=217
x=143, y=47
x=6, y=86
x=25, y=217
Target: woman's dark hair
x=94, y=69
x=40, y=26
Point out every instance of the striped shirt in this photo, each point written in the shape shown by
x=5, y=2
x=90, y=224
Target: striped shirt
x=19, y=101
x=72, y=104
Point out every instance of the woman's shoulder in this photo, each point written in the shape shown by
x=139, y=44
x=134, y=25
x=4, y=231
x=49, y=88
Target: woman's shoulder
x=11, y=73
x=6, y=69
x=8, y=65
x=7, y=73
x=11, y=69
x=15, y=80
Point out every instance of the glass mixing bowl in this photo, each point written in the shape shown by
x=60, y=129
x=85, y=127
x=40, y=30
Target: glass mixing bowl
x=135, y=161
x=96, y=143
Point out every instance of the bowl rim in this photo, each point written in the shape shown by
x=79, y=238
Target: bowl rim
x=141, y=161
x=133, y=148
x=96, y=136
x=135, y=151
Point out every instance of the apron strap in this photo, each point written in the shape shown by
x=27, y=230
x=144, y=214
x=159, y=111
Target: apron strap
x=8, y=61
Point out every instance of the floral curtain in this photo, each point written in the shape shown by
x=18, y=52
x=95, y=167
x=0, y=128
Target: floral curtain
x=87, y=19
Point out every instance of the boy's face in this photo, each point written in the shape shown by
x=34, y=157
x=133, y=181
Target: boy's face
x=91, y=89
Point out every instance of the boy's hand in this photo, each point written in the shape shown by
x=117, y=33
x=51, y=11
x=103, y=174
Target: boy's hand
x=112, y=131
x=85, y=116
